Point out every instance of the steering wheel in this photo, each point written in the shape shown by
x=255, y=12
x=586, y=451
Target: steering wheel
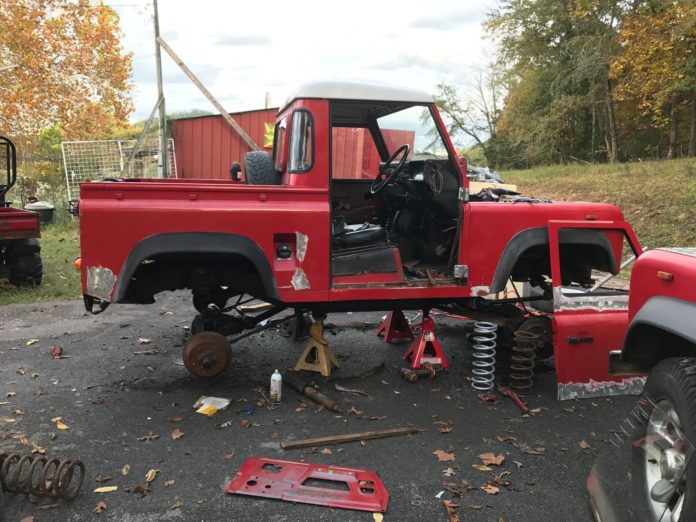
x=382, y=179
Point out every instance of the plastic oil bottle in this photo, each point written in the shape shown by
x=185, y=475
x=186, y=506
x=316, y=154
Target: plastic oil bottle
x=276, y=386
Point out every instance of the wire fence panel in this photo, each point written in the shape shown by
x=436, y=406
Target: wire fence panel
x=93, y=160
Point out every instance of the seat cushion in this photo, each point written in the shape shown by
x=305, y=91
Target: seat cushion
x=361, y=236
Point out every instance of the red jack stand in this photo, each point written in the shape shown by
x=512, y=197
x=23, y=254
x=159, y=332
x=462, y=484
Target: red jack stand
x=395, y=326
x=425, y=348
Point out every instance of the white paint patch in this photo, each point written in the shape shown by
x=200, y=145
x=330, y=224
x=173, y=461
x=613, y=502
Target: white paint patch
x=480, y=291
x=302, y=242
x=100, y=282
x=299, y=280
x=586, y=390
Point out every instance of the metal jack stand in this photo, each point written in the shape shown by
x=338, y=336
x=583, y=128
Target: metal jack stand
x=395, y=326
x=317, y=356
x=425, y=348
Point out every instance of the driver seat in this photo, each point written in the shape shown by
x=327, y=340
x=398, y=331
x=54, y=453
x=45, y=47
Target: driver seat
x=344, y=236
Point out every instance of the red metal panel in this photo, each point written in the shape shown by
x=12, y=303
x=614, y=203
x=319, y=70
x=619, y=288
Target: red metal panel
x=206, y=146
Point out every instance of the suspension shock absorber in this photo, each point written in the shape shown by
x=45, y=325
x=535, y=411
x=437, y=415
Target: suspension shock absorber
x=40, y=476
x=522, y=361
x=484, y=351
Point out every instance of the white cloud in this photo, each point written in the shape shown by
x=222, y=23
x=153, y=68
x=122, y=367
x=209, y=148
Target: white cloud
x=242, y=50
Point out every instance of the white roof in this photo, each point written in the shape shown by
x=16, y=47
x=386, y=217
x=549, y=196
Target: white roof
x=358, y=91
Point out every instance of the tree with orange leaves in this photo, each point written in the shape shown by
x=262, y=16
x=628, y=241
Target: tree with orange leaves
x=62, y=62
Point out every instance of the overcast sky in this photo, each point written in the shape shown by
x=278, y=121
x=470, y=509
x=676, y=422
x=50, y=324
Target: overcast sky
x=243, y=50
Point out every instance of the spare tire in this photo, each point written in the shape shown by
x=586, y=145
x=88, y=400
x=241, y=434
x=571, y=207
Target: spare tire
x=259, y=169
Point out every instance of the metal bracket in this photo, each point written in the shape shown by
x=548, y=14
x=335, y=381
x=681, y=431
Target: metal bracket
x=461, y=271
x=463, y=194
x=347, y=488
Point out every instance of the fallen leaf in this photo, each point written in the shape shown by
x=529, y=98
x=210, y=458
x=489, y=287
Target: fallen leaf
x=168, y=483
x=244, y=423
x=481, y=467
x=326, y=451
x=11, y=394
x=175, y=418
x=534, y=411
x=363, y=442
x=377, y=517
x=9, y=420
x=141, y=489
x=144, y=340
x=151, y=475
x=229, y=456
x=177, y=504
x=56, y=352
x=488, y=397
x=443, y=456
x=446, y=429
x=526, y=448
x=35, y=448
x=125, y=470
x=21, y=370
x=59, y=423
x=225, y=424
x=100, y=507
x=27, y=519
x=177, y=434
x=451, y=507
x=106, y=489
x=584, y=445
x=149, y=437
x=491, y=458
x=101, y=479
x=32, y=342
x=491, y=490
x=449, y=472
x=382, y=417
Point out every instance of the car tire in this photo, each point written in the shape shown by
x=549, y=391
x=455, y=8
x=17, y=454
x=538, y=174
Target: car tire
x=671, y=386
x=26, y=270
x=259, y=169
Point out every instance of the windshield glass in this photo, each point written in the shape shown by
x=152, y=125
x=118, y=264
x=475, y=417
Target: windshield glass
x=416, y=127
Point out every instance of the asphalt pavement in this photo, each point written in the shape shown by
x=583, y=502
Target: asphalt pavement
x=125, y=403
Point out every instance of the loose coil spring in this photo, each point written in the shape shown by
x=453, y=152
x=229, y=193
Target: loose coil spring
x=522, y=361
x=484, y=344
x=40, y=476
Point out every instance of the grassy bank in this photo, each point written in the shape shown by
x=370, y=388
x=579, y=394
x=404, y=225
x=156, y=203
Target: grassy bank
x=59, y=248
x=657, y=197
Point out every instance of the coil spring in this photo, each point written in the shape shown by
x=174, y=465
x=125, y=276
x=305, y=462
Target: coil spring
x=484, y=344
x=40, y=476
x=522, y=361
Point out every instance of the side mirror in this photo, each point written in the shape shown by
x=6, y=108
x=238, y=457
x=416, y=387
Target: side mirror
x=235, y=171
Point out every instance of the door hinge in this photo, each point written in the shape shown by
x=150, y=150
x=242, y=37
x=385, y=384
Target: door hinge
x=461, y=271
x=463, y=194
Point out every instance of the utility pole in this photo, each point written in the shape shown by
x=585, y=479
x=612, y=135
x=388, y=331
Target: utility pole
x=164, y=152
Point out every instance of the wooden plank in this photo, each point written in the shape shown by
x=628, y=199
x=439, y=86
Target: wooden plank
x=477, y=186
x=206, y=92
x=350, y=437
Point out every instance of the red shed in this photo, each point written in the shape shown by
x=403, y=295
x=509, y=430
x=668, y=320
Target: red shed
x=206, y=146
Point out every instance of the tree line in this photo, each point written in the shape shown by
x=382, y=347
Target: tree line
x=582, y=80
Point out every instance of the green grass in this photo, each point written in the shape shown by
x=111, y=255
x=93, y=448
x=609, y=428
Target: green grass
x=658, y=198
x=59, y=247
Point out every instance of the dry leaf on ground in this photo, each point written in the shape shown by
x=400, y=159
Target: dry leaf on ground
x=101, y=479
x=32, y=342
x=451, y=507
x=151, y=475
x=149, y=437
x=177, y=434
x=443, y=456
x=491, y=458
x=56, y=351
x=168, y=483
x=143, y=340
x=59, y=423
x=106, y=489
x=125, y=470
x=175, y=418
x=100, y=507
x=481, y=467
x=326, y=451
x=491, y=490
x=229, y=456
x=584, y=445
x=449, y=472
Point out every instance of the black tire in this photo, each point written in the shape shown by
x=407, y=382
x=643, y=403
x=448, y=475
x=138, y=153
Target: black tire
x=259, y=169
x=23, y=247
x=671, y=384
x=26, y=270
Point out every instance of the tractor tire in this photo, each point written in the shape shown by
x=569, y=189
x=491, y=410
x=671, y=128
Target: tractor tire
x=259, y=169
x=26, y=270
x=656, y=467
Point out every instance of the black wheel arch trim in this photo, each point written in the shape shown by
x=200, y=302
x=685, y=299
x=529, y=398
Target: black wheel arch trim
x=667, y=314
x=196, y=243
x=539, y=236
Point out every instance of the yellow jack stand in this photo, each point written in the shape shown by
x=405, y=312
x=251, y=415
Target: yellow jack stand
x=317, y=356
